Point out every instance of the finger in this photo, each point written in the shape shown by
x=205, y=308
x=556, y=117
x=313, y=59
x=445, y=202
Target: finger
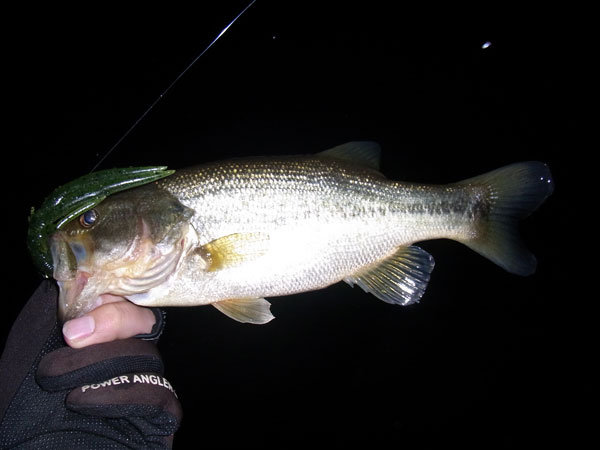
x=116, y=318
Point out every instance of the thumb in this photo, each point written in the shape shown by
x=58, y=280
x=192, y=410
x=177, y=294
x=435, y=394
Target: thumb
x=115, y=319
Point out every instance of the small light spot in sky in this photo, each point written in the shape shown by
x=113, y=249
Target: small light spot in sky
x=485, y=45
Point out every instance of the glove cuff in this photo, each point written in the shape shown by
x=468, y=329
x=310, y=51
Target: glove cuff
x=158, y=327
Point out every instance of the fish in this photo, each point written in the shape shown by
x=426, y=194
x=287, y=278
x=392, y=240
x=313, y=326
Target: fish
x=233, y=233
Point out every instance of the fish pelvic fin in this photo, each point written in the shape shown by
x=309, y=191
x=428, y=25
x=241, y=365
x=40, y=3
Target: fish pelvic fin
x=400, y=279
x=246, y=310
x=514, y=192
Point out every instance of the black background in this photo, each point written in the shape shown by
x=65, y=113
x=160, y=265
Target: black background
x=487, y=359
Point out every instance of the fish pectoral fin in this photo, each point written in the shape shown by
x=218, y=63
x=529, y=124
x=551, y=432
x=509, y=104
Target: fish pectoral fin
x=234, y=249
x=400, y=279
x=365, y=153
x=246, y=310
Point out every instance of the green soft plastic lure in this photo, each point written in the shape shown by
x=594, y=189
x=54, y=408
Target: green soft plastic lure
x=76, y=197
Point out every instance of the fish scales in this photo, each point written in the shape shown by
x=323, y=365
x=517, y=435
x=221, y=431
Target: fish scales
x=276, y=192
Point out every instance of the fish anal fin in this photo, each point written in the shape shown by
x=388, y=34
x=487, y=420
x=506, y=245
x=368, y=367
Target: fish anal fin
x=233, y=249
x=365, y=153
x=246, y=310
x=400, y=279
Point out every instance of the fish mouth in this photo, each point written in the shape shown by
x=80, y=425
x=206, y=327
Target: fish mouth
x=72, y=302
x=72, y=281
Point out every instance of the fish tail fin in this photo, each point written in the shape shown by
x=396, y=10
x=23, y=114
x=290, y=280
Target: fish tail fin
x=514, y=192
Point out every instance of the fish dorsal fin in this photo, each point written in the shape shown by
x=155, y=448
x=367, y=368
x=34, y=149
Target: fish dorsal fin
x=365, y=153
x=233, y=249
x=400, y=279
x=246, y=310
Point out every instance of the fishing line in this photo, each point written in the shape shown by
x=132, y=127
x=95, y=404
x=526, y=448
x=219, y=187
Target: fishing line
x=145, y=113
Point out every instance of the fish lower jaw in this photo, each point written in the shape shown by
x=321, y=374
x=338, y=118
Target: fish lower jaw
x=82, y=294
x=72, y=299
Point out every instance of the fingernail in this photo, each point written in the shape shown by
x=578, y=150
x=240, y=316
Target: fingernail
x=79, y=328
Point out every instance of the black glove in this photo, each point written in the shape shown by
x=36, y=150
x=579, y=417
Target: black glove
x=105, y=396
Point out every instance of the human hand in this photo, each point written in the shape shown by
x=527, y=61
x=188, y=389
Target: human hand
x=94, y=394
x=115, y=318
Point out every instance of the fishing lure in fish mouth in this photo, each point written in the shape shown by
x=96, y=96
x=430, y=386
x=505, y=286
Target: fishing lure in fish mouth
x=77, y=197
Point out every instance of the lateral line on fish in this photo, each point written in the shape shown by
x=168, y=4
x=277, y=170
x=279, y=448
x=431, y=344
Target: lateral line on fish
x=164, y=92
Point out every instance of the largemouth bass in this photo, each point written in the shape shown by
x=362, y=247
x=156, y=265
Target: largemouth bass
x=231, y=233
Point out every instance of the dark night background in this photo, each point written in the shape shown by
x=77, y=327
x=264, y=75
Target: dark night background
x=487, y=359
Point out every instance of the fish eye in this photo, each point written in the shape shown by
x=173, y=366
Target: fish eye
x=88, y=218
